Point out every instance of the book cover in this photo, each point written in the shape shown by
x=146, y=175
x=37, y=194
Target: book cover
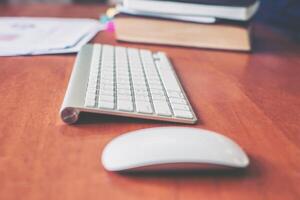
x=234, y=3
x=176, y=33
x=175, y=7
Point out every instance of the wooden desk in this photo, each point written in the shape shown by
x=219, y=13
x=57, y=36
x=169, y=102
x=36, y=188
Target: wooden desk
x=252, y=98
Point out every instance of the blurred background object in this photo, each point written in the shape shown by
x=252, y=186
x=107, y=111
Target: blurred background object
x=35, y=1
x=284, y=14
x=49, y=1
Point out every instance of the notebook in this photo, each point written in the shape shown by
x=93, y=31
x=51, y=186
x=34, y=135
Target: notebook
x=242, y=10
x=230, y=36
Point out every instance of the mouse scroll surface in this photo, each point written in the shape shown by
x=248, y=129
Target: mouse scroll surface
x=172, y=148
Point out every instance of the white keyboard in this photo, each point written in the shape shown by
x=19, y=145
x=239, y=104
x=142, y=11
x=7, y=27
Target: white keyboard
x=126, y=82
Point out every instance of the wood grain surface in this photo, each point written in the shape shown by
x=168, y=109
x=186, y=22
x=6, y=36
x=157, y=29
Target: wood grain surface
x=251, y=98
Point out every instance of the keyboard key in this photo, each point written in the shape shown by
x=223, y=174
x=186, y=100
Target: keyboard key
x=143, y=107
x=123, y=86
x=124, y=105
x=142, y=98
x=158, y=97
x=124, y=92
x=139, y=92
x=140, y=87
x=89, y=102
x=106, y=92
x=107, y=87
x=107, y=98
x=183, y=114
x=157, y=92
x=180, y=107
x=156, y=87
x=124, y=97
x=177, y=101
x=174, y=94
x=162, y=108
x=106, y=105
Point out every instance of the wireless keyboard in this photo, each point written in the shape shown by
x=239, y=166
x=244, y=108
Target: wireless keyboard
x=125, y=82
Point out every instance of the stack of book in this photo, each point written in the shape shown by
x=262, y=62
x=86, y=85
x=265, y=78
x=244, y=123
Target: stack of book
x=217, y=24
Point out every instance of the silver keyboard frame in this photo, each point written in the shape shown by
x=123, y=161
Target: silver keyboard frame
x=73, y=103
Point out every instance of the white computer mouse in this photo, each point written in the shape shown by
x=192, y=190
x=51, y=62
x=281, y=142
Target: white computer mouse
x=172, y=148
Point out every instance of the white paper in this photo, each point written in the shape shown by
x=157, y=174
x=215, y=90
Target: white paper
x=74, y=48
x=28, y=35
x=187, y=18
